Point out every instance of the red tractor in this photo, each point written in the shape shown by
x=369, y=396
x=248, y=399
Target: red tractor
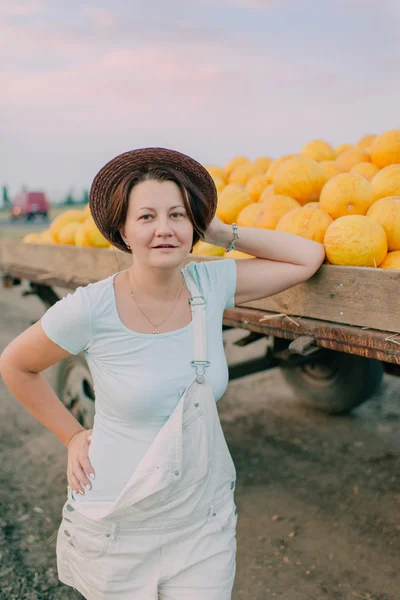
x=27, y=205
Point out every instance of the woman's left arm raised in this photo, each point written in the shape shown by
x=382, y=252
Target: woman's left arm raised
x=281, y=261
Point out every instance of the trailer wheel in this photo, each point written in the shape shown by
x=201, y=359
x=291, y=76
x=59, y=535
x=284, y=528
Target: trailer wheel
x=75, y=389
x=334, y=382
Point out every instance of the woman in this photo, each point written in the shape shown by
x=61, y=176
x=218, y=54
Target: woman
x=150, y=509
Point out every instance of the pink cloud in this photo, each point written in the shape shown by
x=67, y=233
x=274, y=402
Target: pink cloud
x=123, y=87
x=22, y=8
x=100, y=17
x=251, y=4
x=27, y=40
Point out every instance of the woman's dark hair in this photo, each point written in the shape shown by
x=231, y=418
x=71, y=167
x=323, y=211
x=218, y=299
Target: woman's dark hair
x=198, y=207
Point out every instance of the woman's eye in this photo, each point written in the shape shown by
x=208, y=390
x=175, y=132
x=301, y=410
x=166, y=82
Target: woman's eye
x=172, y=214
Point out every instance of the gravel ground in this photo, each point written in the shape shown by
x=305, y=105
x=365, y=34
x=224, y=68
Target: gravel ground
x=318, y=496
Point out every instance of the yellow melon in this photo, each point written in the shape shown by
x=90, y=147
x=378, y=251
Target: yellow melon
x=68, y=216
x=387, y=182
x=352, y=157
x=300, y=178
x=318, y=150
x=274, y=166
x=249, y=215
x=234, y=163
x=263, y=163
x=267, y=192
x=342, y=148
x=86, y=210
x=346, y=194
x=365, y=142
x=392, y=261
x=238, y=254
x=255, y=186
x=386, y=211
x=366, y=169
x=46, y=237
x=310, y=224
x=81, y=238
x=273, y=209
x=355, y=240
x=205, y=249
x=31, y=238
x=385, y=149
x=94, y=235
x=231, y=201
x=312, y=205
x=331, y=168
x=216, y=172
x=243, y=173
x=67, y=234
x=219, y=183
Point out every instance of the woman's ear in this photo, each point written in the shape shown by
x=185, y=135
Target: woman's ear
x=122, y=234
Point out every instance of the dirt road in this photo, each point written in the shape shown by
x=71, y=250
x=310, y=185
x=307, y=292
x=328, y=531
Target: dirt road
x=318, y=496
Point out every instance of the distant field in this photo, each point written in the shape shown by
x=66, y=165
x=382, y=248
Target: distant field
x=54, y=211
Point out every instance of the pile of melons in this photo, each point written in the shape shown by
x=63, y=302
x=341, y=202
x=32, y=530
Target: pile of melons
x=72, y=227
x=347, y=198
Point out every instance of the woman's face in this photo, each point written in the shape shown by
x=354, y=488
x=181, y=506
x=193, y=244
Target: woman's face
x=157, y=216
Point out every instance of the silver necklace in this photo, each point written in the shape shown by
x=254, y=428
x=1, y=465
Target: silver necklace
x=156, y=330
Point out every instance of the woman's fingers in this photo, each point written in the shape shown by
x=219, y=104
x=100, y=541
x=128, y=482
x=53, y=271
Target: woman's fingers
x=79, y=467
x=74, y=484
x=81, y=476
x=86, y=464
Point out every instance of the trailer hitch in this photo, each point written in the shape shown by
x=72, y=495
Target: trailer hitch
x=303, y=345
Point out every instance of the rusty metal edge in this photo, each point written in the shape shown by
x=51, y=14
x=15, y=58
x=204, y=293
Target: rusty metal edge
x=370, y=343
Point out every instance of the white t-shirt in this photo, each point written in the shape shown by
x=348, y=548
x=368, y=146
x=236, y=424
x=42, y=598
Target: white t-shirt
x=138, y=377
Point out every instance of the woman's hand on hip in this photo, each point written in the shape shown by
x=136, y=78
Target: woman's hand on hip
x=79, y=468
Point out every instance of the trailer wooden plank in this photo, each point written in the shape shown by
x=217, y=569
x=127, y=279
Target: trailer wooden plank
x=69, y=266
x=349, y=295
x=346, y=295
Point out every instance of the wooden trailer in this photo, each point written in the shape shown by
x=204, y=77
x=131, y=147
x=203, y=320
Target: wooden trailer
x=333, y=336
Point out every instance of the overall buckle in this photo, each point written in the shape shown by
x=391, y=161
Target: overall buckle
x=200, y=364
x=196, y=300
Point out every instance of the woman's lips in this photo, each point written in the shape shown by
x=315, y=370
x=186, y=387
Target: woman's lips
x=164, y=248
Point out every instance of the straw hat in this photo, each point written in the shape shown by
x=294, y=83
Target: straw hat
x=111, y=175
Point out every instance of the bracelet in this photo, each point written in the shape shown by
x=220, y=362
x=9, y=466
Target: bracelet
x=235, y=237
x=72, y=437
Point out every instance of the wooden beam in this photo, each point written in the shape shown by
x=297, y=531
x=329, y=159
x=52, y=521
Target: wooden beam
x=357, y=296
x=370, y=343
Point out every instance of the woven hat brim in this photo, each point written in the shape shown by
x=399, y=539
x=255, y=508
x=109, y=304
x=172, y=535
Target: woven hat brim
x=110, y=176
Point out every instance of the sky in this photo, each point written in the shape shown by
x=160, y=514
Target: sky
x=85, y=81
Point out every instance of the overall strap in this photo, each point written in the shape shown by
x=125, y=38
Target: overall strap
x=198, y=308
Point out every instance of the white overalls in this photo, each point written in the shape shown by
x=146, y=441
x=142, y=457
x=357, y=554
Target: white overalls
x=171, y=533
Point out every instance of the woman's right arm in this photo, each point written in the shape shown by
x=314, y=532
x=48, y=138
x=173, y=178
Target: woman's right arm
x=21, y=364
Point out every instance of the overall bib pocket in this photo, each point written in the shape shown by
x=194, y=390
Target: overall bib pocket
x=194, y=467
x=84, y=538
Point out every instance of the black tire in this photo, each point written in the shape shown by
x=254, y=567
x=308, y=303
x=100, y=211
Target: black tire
x=334, y=382
x=75, y=389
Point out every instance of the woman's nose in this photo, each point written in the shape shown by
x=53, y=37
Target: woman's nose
x=163, y=226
